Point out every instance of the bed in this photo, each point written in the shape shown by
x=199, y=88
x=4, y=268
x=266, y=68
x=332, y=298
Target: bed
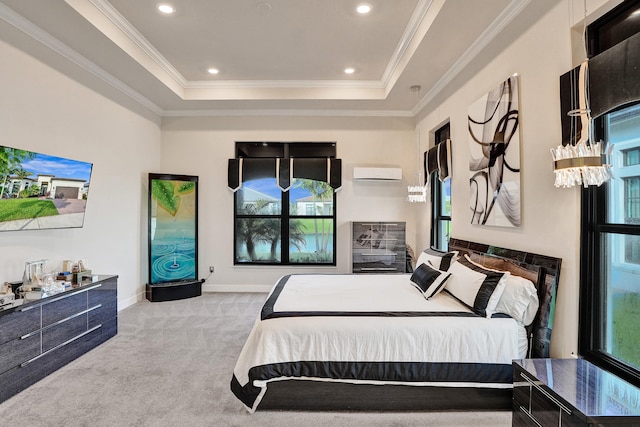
x=373, y=342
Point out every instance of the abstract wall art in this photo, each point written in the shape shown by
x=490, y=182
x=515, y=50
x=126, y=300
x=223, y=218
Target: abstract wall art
x=494, y=162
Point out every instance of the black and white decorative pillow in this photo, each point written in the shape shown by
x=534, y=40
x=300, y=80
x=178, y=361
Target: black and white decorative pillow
x=439, y=259
x=475, y=286
x=428, y=280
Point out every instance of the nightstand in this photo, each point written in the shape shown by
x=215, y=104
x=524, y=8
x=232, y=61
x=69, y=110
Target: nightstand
x=571, y=392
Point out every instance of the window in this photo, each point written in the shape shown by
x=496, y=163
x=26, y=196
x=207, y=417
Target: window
x=610, y=247
x=631, y=157
x=440, y=201
x=302, y=215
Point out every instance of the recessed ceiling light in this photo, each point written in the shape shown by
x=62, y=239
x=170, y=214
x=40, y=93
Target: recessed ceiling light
x=349, y=70
x=363, y=8
x=264, y=7
x=166, y=8
x=213, y=71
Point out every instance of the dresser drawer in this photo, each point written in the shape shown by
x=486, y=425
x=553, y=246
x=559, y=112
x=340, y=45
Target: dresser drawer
x=534, y=404
x=520, y=418
x=60, y=333
x=18, y=323
x=19, y=350
x=103, y=301
x=63, y=308
x=103, y=292
x=102, y=313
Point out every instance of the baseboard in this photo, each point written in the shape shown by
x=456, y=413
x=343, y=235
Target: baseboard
x=205, y=288
x=236, y=288
x=130, y=301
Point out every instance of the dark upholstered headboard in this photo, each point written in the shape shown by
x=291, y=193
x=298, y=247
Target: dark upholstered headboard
x=547, y=271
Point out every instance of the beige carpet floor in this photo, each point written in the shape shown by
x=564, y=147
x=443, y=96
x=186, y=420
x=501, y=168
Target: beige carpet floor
x=170, y=365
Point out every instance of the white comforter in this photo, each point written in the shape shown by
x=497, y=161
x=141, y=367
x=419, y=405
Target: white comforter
x=370, y=318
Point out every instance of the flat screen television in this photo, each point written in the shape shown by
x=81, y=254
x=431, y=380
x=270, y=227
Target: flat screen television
x=40, y=191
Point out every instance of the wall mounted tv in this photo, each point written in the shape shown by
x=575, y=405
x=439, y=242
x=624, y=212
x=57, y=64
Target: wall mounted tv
x=39, y=191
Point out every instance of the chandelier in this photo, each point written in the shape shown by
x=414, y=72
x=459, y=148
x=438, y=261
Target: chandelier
x=417, y=193
x=580, y=164
x=580, y=159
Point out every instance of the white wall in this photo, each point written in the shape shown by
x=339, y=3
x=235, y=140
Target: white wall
x=550, y=216
x=201, y=146
x=42, y=110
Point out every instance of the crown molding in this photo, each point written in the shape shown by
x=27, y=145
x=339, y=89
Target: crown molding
x=505, y=17
x=347, y=89
x=134, y=35
x=48, y=40
x=296, y=84
x=421, y=20
x=122, y=33
x=45, y=38
x=287, y=113
x=282, y=89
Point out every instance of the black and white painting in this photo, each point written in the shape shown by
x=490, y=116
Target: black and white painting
x=494, y=163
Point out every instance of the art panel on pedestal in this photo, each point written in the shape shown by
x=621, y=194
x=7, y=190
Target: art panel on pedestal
x=173, y=237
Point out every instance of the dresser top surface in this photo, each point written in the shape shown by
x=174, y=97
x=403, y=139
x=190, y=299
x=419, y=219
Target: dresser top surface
x=589, y=389
x=38, y=297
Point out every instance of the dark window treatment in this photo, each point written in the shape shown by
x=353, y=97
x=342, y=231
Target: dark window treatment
x=569, y=100
x=438, y=159
x=613, y=83
x=247, y=169
x=613, y=77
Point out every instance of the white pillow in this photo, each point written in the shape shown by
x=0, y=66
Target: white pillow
x=438, y=259
x=519, y=300
x=475, y=286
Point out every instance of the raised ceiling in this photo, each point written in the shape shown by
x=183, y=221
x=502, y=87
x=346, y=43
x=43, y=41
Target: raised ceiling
x=274, y=56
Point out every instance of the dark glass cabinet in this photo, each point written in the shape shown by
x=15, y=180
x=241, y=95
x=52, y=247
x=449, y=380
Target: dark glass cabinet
x=379, y=247
x=571, y=392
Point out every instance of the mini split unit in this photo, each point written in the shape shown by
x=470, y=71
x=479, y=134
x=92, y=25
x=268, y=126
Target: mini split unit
x=377, y=174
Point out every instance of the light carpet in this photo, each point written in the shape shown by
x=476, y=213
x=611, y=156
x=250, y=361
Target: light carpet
x=170, y=365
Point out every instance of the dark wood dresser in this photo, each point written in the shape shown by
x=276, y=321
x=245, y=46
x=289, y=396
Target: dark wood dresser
x=571, y=392
x=42, y=335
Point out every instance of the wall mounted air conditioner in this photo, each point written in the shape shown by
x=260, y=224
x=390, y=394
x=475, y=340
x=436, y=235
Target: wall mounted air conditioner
x=377, y=174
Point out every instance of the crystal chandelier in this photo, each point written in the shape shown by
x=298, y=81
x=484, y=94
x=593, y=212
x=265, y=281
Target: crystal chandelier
x=579, y=161
x=580, y=164
x=417, y=193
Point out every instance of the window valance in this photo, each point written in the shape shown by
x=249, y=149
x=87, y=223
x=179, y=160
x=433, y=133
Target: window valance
x=284, y=170
x=438, y=159
x=612, y=81
x=613, y=77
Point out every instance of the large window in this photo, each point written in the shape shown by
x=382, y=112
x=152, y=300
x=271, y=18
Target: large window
x=440, y=201
x=610, y=255
x=302, y=215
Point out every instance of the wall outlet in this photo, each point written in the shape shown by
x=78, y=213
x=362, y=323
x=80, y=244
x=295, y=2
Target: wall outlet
x=211, y=269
